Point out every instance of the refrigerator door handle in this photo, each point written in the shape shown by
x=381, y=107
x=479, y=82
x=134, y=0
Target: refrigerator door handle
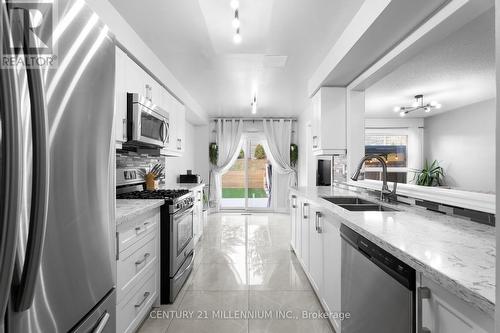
x=25, y=291
x=11, y=172
x=102, y=323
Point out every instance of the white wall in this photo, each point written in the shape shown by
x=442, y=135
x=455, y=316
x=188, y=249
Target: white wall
x=201, y=160
x=462, y=140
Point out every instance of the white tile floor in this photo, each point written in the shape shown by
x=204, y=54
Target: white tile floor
x=243, y=266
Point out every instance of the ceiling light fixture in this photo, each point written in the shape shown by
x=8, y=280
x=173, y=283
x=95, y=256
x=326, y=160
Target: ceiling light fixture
x=254, y=104
x=236, y=20
x=237, y=37
x=235, y=4
x=417, y=105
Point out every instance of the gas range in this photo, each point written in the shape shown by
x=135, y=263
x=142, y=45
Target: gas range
x=130, y=185
x=177, y=199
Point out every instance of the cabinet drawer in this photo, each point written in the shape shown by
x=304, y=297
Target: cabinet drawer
x=132, y=311
x=134, y=232
x=135, y=261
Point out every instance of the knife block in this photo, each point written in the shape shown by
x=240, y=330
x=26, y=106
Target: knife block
x=151, y=182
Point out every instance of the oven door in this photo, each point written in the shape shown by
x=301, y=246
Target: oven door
x=181, y=239
x=149, y=126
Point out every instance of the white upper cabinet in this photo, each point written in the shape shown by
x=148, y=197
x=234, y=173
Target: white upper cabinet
x=131, y=78
x=316, y=250
x=177, y=123
x=329, y=121
x=181, y=126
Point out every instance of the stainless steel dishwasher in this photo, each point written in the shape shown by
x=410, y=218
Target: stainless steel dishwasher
x=378, y=290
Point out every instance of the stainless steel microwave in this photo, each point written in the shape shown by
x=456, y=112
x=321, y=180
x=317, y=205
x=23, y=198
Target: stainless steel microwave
x=147, y=123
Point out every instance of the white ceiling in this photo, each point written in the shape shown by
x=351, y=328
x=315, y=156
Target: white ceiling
x=193, y=38
x=457, y=71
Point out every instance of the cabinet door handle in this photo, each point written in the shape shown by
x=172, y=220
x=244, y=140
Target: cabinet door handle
x=422, y=293
x=315, y=141
x=139, y=262
x=146, y=295
x=124, y=125
x=148, y=93
x=306, y=216
x=319, y=228
x=294, y=201
x=139, y=230
x=117, y=238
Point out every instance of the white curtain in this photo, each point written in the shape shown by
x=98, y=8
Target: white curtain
x=228, y=140
x=278, y=134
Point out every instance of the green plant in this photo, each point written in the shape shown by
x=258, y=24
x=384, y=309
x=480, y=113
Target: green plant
x=241, y=155
x=259, y=152
x=430, y=175
x=294, y=154
x=213, y=153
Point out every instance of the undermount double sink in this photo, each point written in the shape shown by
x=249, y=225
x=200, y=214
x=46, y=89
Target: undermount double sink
x=358, y=204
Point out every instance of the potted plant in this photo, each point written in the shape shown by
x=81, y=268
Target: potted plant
x=430, y=175
x=213, y=153
x=294, y=154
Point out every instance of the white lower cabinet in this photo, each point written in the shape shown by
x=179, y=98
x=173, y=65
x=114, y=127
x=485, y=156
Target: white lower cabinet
x=138, y=282
x=443, y=312
x=133, y=309
x=324, y=260
x=330, y=293
x=198, y=216
x=305, y=220
x=316, y=250
x=293, y=222
x=316, y=241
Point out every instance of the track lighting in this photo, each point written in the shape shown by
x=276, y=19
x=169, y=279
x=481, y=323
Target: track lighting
x=236, y=20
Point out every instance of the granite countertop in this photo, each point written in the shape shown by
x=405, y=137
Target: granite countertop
x=127, y=209
x=456, y=253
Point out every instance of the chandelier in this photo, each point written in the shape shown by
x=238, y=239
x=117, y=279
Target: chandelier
x=417, y=105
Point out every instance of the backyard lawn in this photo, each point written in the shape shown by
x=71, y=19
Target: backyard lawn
x=234, y=193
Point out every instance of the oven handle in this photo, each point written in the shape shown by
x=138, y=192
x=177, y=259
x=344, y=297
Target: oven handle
x=180, y=274
x=184, y=213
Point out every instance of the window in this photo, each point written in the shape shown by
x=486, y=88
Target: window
x=394, y=148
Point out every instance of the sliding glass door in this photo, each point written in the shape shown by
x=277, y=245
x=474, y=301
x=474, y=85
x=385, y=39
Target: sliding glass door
x=247, y=185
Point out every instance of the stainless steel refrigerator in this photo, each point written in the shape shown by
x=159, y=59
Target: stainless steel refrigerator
x=57, y=268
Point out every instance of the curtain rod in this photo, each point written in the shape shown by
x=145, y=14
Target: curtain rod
x=253, y=119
